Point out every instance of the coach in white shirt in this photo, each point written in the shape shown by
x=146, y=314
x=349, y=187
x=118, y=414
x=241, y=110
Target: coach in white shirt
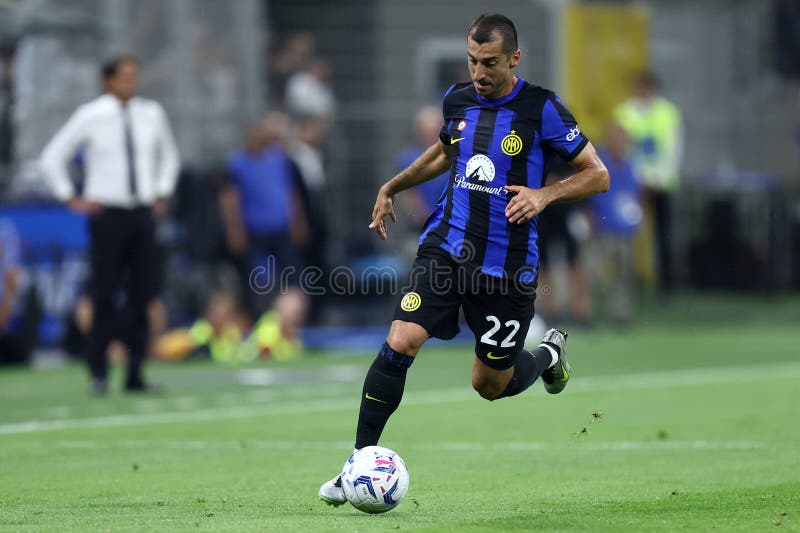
x=131, y=165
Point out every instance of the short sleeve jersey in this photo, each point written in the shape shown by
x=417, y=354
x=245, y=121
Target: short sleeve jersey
x=506, y=141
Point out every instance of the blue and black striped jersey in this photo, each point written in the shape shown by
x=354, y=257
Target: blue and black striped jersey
x=506, y=141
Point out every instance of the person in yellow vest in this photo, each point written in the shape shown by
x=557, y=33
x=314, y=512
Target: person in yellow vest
x=219, y=333
x=654, y=127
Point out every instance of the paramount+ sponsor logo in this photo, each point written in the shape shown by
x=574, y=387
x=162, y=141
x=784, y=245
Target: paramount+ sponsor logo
x=480, y=172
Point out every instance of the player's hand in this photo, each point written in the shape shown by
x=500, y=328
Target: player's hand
x=384, y=206
x=526, y=204
x=81, y=205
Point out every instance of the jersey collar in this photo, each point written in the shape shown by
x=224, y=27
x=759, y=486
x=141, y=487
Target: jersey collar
x=503, y=99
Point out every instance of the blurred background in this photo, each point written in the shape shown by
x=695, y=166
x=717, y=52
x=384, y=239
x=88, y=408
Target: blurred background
x=341, y=89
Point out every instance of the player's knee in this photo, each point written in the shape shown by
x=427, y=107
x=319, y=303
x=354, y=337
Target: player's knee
x=403, y=345
x=404, y=340
x=486, y=388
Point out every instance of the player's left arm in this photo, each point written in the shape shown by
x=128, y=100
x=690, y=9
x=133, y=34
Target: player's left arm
x=592, y=178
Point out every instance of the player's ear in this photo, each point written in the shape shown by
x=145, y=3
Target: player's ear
x=515, y=59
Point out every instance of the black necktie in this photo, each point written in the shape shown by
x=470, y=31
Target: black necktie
x=130, y=151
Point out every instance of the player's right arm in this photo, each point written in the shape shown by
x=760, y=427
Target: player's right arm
x=431, y=163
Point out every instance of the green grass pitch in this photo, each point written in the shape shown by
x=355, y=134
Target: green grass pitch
x=698, y=429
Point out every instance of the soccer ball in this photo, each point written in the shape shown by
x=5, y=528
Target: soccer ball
x=375, y=479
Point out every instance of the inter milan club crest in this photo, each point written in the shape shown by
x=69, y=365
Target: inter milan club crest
x=411, y=302
x=511, y=144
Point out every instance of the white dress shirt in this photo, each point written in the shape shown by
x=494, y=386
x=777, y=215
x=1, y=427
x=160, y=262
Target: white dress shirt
x=99, y=128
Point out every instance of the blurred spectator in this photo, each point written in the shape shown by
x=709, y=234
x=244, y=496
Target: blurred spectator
x=617, y=217
x=653, y=125
x=217, y=334
x=422, y=199
x=200, y=257
x=14, y=348
x=306, y=149
x=309, y=92
x=296, y=54
x=264, y=219
x=131, y=167
x=561, y=229
x=20, y=314
x=306, y=152
x=216, y=69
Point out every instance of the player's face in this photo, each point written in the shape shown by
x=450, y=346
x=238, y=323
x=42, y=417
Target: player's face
x=492, y=70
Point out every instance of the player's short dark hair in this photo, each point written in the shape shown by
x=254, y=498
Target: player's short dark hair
x=484, y=28
x=111, y=65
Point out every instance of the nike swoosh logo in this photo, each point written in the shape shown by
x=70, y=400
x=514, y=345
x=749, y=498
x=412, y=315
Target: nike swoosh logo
x=490, y=356
x=453, y=141
x=566, y=374
x=368, y=397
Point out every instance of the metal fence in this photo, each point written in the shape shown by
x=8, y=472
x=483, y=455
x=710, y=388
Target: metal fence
x=202, y=59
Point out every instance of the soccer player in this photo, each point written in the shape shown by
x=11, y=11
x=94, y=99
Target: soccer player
x=478, y=249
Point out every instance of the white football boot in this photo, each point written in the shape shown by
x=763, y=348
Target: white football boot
x=332, y=493
x=555, y=378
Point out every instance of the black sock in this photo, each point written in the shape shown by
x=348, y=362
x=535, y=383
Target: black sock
x=383, y=390
x=527, y=367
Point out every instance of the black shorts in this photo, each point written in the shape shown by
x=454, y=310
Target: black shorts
x=498, y=310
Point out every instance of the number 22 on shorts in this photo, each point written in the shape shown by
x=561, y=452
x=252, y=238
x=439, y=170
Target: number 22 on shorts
x=508, y=341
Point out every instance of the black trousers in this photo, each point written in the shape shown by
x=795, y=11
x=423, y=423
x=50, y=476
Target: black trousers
x=660, y=202
x=124, y=278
